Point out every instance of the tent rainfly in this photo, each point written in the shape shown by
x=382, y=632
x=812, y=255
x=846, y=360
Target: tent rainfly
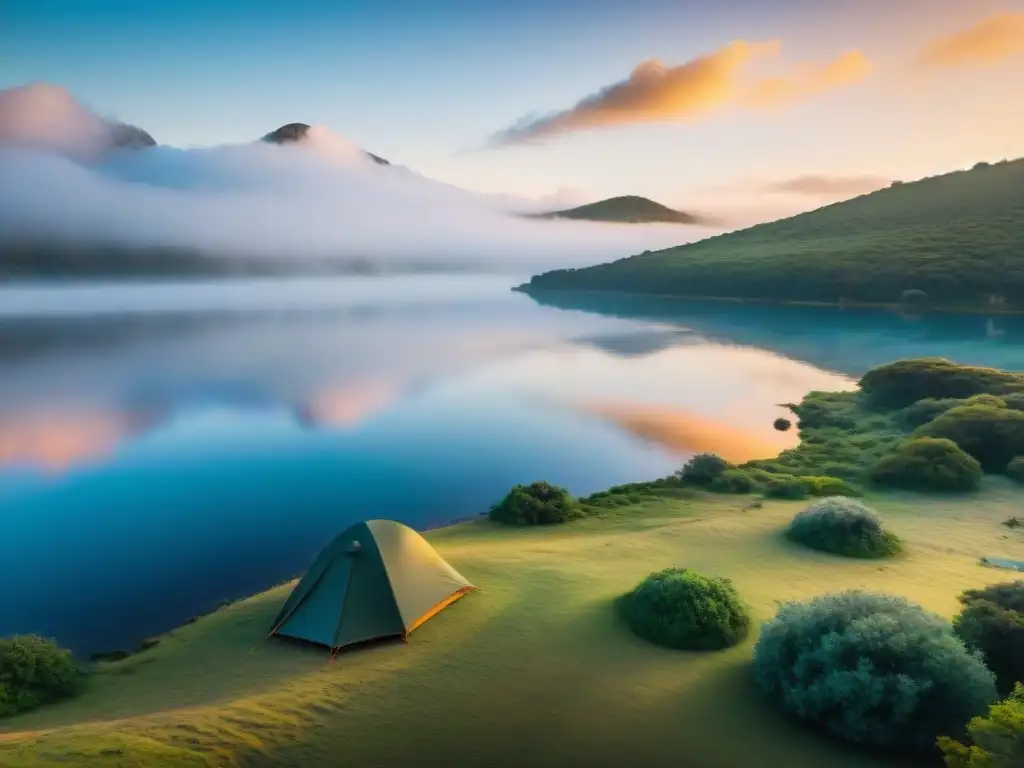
x=377, y=579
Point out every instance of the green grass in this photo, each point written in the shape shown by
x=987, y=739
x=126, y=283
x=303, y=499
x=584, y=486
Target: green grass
x=533, y=669
x=629, y=209
x=957, y=237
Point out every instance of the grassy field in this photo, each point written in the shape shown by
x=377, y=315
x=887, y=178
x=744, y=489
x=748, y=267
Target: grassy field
x=956, y=237
x=534, y=669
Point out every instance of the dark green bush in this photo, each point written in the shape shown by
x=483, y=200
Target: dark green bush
x=34, y=671
x=734, y=481
x=928, y=464
x=535, y=504
x=923, y=411
x=998, y=739
x=703, y=468
x=831, y=486
x=1014, y=400
x=1015, y=469
x=992, y=622
x=782, y=425
x=926, y=410
x=872, y=669
x=904, y=382
x=680, y=608
x=843, y=526
x=992, y=435
x=787, y=487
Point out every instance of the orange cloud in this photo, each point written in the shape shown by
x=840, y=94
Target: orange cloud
x=809, y=79
x=654, y=92
x=989, y=42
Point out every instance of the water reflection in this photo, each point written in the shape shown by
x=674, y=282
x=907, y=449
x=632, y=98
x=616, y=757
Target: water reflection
x=160, y=462
x=849, y=341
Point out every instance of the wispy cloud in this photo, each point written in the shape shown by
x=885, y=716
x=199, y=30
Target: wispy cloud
x=808, y=79
x=654, y=92
x=988, y=42
x=826, y=186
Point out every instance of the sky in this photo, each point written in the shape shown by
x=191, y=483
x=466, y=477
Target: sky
x=729, y=105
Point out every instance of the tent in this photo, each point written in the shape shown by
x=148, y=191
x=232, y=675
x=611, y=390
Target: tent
x=377, y=579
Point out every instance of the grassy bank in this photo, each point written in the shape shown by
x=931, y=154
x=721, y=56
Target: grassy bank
x=959, y=308
x=534, y=669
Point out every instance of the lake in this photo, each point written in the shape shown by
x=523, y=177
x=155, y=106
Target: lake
x=167, y=447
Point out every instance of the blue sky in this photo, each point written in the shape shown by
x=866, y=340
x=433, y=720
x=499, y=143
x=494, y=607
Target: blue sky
x=426, y=83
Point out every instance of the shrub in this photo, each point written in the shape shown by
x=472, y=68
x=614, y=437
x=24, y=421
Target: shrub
x=871, y=669
x=998, y=739
x=830, y=486
x=928, y=464
x=34, y=671
x=680, y=608
x=734, y=481
x=1014, y=400
x=930, y=408
x=787, y=487
x=1013, y=523
x=904, y=382
x=703, y=468
x=992, y=622
x=535, y=504
x=782, y=425
x=992, y=435
x=843, y=526
x=1015, y=469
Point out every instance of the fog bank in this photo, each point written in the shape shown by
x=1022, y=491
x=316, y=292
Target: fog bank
x=63, y=178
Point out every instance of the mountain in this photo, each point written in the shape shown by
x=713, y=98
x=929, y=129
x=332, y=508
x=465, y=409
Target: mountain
x=958, y=238
x=124, y=136
x=293, y=132
x=628, y=209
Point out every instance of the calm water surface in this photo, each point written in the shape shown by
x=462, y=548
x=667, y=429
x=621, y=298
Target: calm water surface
x=167, y=447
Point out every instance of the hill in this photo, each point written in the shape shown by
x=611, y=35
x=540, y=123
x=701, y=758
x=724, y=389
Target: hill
x=628, y=209
x=958, y=237
x=297, y=132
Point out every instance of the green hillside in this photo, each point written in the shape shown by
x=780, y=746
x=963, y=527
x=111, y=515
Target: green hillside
x=958, y=237
x=628, y=209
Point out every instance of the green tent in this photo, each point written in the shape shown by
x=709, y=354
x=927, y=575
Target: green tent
x=377, y=579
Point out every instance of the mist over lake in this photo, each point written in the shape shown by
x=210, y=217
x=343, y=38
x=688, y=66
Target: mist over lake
x=166, y=447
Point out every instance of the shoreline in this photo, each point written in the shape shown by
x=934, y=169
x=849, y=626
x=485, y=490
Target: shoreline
x=968, y=309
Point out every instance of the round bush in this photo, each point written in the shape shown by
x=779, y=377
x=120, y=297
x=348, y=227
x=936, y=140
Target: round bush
x=991, y=434
x=535, y=504
x=998, y=740
x=782, y=425
x=734, y=481
x=703, y=468
x=34, y=671
x=843, y=526
x=872, y=669
x=680, y=608
x=1015, y=469
x=787, y=487
x=928, y=464
x=992, y=622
